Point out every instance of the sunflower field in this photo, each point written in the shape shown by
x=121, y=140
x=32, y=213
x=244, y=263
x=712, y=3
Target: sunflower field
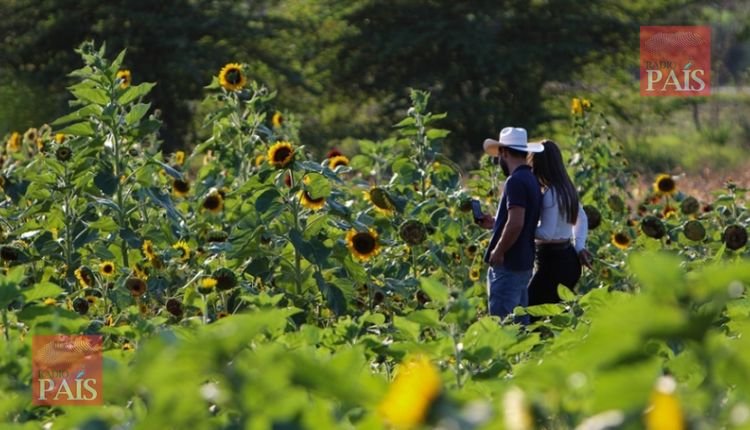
x=248, y=284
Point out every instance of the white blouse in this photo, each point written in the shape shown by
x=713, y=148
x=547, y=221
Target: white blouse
x=553, y=226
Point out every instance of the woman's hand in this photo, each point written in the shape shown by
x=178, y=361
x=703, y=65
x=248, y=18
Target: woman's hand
x=585, y=257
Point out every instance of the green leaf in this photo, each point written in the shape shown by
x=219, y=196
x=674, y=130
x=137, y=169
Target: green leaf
x=425, y=317
x=136, y=113
x=565, y=294
x=78, y=129
x=82, y=113
x=42, y=290
x=435, y=289
x=408, y=330
x=266, y=199
x=334, y=297
x=406, y=170
x=545, y=310
x=135, y=91
x=91, y=95
x=105, y=224
x=106, y=181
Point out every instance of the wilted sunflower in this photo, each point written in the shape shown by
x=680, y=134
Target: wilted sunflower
x=690, y=205
x=380, y=199
x=307, y=201
x=31, y=135
x=225, y=279
x=339, y=160
x=10, y=253
x=107, y=268
x=621, y=240
x=277, y=119
x=653, y=227
x=665, y=184
x=184, y=249
x=136, y=286
x=148, y=250
x=411, y=394
x=81, y=305
x=363, y=245
x=231, y=77
x=213, y=202
x=125, y=77
x=474, y=274
x=669, y=211
x=174, y=307
x=694, y=230
x=207, y=285
x=41, y=146
x=593, y=215
x=735, y=237
x=412, y=232
x=280, y=154
x=85, y=276
x=14, y=142
x=180, y=188
x=63, y=153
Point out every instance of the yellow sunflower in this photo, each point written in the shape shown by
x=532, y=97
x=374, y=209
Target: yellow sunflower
x=85, y=276
x=207, y=285
x=180, y=188
x=179, y=158
x=50, y=302
x=363, y=245
x=664, y=410
x=309, y=202
x=586, y=104
x=576, y=107
x=665, y=184
x=148, y=250
x=59, y=138
x=339, y=160
x=277, y=119
x=409, y=398
x=280, y=154
x=474, y=274
x=125, y=78
x=621, y=240
x=213, y=202
x=231, y=77
x=184, y=249
x=107, y=268
x=259, y=159
x=14, y=142
x=380, y=199
x=139, y=271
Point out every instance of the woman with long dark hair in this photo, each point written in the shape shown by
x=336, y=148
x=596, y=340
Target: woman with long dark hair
x=561, y=233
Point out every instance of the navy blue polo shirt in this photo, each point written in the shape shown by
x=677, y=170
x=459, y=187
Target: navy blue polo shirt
x=520, y=189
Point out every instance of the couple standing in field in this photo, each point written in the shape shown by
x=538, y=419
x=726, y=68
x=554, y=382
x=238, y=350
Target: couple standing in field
x=539, y=215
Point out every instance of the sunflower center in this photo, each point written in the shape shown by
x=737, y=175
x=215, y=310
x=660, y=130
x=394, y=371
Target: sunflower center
x=621, y=239
x=666, y=184
x=234, y=76
x=212, y=202
x=282, y=154
x=107, y=269
x=364, y=243
x=181, y=186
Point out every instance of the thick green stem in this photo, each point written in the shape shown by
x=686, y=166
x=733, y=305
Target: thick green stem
x=120, y=198
x=5, y=325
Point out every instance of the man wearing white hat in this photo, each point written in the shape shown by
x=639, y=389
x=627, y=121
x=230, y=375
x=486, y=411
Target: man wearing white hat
x=510, y=253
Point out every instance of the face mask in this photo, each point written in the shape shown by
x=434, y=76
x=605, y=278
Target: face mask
x=504, y=166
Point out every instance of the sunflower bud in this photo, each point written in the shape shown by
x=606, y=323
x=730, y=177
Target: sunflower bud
x=694, y=230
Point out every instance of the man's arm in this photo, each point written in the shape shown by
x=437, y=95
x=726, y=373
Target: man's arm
x=512, y=230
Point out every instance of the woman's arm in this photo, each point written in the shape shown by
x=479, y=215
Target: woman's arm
x=580, y=229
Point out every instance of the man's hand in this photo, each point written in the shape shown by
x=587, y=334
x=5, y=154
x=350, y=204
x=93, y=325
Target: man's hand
x=585, y=258
x=487, y=221
x=496, y=258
